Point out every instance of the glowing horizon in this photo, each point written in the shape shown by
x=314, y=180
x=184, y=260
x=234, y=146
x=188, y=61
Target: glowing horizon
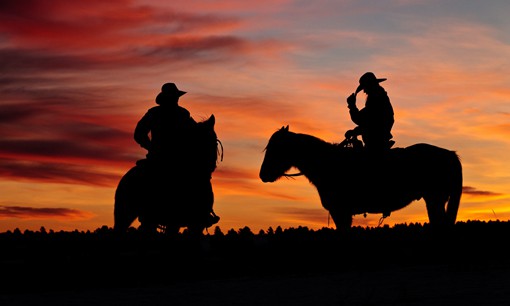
x=77, y=77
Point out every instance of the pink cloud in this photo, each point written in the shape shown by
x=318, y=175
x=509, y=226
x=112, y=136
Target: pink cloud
x=119, y=35
x=97, y=24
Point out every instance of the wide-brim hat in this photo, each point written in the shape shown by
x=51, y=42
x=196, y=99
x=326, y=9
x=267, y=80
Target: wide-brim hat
x=368, y=79
x=170, y=89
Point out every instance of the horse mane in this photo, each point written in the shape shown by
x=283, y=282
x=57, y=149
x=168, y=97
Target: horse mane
x=205, y=145
x=310, y=142
x=296, y=149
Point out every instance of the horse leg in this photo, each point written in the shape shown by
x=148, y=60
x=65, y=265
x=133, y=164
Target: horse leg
x=436, y=211
x=147, y=225
x=172, y=230
x=123, y=216
x=196, y=231
x=122, y=223
x=342, y=220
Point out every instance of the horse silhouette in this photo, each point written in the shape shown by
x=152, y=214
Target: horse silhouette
x=177, y=193
x=350, y=181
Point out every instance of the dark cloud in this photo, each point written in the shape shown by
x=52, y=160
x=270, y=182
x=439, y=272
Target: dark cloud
x=60, y=149
x=74, y=28
x=42, y=213
x=475, y=192
x=108, y=23
x=31, y=131
x=21, y=60
x=18, y=62
x=64, y=66
x=15, y=113
x=55, y=173
x=116, y=34
x=194, y=47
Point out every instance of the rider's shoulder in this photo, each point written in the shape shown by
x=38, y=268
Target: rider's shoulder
x=154, y=109
x=183, y=111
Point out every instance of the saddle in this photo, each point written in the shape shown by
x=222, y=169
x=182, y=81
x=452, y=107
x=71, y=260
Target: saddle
x=356, y=144
x=153, y=171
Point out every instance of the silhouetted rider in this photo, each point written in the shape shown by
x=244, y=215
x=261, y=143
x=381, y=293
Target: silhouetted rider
x=376, y=119
x=168, y=125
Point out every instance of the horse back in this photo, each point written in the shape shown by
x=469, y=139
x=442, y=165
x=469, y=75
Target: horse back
x=429, y=165
x=429, y=155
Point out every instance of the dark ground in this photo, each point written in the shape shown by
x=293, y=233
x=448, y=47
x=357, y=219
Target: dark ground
x=402, y=265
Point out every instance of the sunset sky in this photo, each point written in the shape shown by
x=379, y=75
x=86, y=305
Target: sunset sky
x=76, y=76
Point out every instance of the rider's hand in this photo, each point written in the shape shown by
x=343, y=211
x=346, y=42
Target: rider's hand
x=351, y=100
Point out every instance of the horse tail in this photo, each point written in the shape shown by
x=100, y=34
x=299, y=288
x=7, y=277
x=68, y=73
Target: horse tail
x=455, y=190
x=124, y=212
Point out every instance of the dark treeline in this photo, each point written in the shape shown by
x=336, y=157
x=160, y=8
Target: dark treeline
x=395, y=231
x=37, y=260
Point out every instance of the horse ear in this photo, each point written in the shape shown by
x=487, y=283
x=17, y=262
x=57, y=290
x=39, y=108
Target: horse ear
x=286, y=128
x=212, y=119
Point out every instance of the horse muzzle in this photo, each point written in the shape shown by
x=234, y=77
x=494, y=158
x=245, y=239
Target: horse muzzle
x=264, y=177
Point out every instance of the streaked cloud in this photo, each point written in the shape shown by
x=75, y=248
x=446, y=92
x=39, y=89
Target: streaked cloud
x=472, y=191
x=42, y=213
x=55, y=172
x=312, y=215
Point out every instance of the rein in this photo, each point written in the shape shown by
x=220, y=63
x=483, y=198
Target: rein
x=293, y=174
x=352, y=142
x=221, y=145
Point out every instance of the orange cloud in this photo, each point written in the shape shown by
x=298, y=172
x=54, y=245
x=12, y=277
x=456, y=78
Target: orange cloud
x=503, y=129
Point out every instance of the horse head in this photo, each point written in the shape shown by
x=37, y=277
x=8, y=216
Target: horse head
x=206, y=149
x=276, y=160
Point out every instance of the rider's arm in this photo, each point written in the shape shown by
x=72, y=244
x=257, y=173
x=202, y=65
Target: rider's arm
x=357, y=116
x=355, y=113
x=142, y=131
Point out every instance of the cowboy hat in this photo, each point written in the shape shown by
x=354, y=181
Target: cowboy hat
x=171, y=90
x=368, y=79
x=168, y=92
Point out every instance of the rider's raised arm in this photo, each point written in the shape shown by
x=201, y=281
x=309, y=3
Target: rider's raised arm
x=359, y=117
